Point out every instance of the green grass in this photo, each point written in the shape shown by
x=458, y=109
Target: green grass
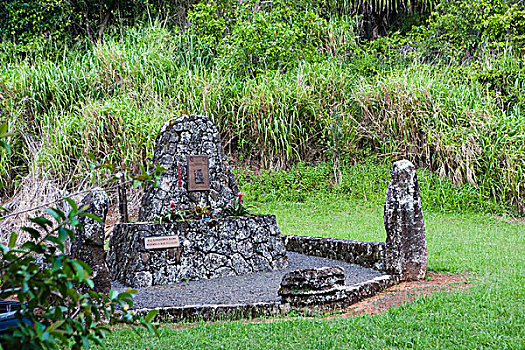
x=328, y=218
x=490, y=314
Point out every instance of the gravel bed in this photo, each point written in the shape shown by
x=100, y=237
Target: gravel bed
x=246, y=289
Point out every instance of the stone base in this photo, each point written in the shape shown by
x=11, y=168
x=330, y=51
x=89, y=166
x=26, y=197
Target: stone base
x=208, y=249
x=199, y=313
x=319, y=289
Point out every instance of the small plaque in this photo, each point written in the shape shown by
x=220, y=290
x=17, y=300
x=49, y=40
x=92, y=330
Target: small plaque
x=161, y=242
x=198, y=173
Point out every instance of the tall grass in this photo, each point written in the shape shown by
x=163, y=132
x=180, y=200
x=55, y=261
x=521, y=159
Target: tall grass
x=111, y=99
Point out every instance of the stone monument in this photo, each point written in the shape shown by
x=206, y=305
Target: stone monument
x=88, y=244
x=199, y=184
x=198, y=173
x=406, y=250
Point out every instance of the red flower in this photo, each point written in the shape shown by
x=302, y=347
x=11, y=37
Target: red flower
x=172, y=205
x=240, y=194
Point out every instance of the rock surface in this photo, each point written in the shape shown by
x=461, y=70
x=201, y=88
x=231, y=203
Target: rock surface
x=188, y=135
x=406, y=252
x=318, y=286
x=367, y=254
x=88, y=245
x=208, y=249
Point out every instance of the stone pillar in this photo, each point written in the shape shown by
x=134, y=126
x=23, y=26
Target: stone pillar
x=406, y=250
x=88, y=245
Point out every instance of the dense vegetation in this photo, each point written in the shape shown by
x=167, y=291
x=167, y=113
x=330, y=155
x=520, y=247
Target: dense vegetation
x=284, y=81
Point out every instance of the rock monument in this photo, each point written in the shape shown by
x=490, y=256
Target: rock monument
x=198, y=173
x=199, y=184
x=406, y=250
x=88, y=244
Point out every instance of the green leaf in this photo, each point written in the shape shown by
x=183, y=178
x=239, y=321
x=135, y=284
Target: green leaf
x=42, y=222
x=63, y=234
x=142, y=177
x=85, y=342
x=12, y=240
x=91, y=215
x=72, y=203
x=131, y=291
x=82, y=272
x=5, y=146
x=3, y=129
x=57, y=214
x=35, y=234
x=32, y=246
x=151, y=315
x=74, y=221
x=55, y=325
x=79, y=270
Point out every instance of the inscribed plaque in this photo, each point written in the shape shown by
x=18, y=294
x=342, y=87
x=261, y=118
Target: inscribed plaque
x=161, y=242
x=198, y=173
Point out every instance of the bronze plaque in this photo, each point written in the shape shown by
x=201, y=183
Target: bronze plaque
x=198, y=173
x=161, y=242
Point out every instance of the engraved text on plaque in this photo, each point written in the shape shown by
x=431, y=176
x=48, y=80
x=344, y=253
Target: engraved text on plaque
x=161, y=242
x=198, y=173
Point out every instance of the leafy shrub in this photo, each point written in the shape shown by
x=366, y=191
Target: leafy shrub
x=58, y=315
x=271, y=36
x=206, y=24
x=53, y=313
x=29, y=21
x=461, y=29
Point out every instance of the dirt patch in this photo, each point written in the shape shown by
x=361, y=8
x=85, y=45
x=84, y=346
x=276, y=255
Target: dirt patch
x=407, y=292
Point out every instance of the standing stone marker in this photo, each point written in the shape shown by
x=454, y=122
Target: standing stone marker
x=406, y=250
x=88, y=245
x=198, y=174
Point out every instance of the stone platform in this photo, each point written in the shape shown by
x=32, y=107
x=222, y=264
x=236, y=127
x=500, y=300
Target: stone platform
x=249, y=295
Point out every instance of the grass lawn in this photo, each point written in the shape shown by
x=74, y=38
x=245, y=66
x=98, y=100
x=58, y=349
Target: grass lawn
x=491, y=314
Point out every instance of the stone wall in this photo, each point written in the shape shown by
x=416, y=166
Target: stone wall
x=208, y=249
x=367, y=254
x=88, y=244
